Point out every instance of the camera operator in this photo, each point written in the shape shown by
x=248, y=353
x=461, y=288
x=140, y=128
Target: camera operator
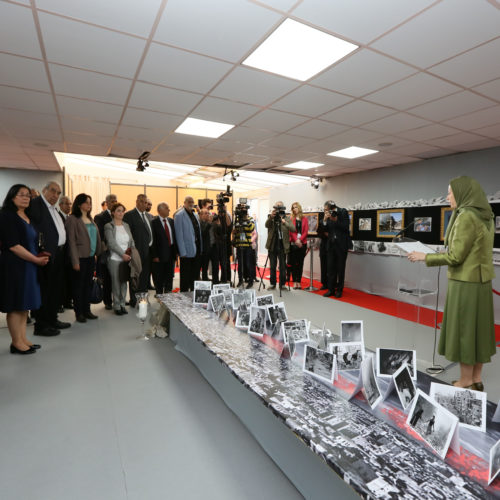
x=336, y=223
x=279, y=228
x=221, y=239
x=206, y=224
x=244, y=227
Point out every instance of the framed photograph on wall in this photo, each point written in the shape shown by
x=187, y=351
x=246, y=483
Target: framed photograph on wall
x=365, y=224
x=351, y=223
x=422, y=224
x=390, y=222
x=313, y=220
x=445, y=219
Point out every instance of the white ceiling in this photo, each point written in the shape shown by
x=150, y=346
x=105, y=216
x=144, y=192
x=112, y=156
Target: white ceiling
x=117, y=77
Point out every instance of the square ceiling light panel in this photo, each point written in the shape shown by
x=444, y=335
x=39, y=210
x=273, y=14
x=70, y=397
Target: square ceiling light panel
x=298, y=51
x=303, y=165
x=203, y=128
x=352, y=152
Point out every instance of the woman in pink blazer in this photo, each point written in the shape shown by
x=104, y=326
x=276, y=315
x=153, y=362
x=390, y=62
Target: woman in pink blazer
x=298, y=244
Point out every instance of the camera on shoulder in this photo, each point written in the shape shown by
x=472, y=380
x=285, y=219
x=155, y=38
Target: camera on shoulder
x=280, y=211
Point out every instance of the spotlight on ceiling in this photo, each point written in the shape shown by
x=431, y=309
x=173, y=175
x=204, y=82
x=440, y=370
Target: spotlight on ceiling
x=315, y=182
x=142, y=162
x=231, y=175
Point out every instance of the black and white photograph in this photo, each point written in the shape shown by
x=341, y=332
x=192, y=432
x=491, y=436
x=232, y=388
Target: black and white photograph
x=201, y=296
x=321, y=337
x=433, y=423
x=469, y=406
x=494, y=468
x=242, y=298
x=243, y=320
x=276, y=312
x=257, y=321
x=405, y=387
x=265, y=300
x=220, y=286
x=422, y=224
x=371, y=390
x=217, y=302
x=276, y=331
x=497, y=224
x=228, y=294
x=365, y=224
x=389, y=361
x=351, y=331
x=318, y=363
x=297, y=329
x=202, y=285
x=349, y=355
x=291, y=346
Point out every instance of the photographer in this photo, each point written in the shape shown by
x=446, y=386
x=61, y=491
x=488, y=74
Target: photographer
x=220, y=239
x=206, y=224
x=323, y=253
x=278, y=242
x=298, y=244
x=244, y=227
x=336, y=223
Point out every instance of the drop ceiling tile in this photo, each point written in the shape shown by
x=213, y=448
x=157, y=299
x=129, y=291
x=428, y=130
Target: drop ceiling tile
x=317, y=129
x=413, y=149
x=156, y=98
x=454, y=141
x=35, y=134
x=362, y=72
x=428, y=132
x=413, y=91
x=80, y=108
x=26, y=100
x=207, y=157
x=267, y=151
x=85, y=126
x=310, y=101
x=490, y=89
x=226, y=29
x=229, y=146
x=253, y=87
x=283, y=5
x=220, y=110
x=181, y=70
x=193, y=141
x=357, y=113
x=22, y=72
x=396, y=123
x=492, y=131
x=480, y=144
x=451, y=106
x=387, y=143
x=29, y=119
x=286, y=141
x=151, y=119
x=274, y=120
x=86, y=149
x=88, y=85
x=359, y=21
x=97, y=140
x=356, y=136
x=248, y=134
x=481, y=63
x=476, y=120
x=64, y=40
x=131, y=17
x=18, y=33
x=141, y=133
x=443, y=31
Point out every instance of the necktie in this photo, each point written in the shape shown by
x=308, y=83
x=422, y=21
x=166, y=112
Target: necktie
x=147, y=225
x=167, y=231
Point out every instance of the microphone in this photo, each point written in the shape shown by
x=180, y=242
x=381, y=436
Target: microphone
x=404, y=229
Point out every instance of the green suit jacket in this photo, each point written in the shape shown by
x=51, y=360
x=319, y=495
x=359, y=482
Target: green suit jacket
x=287, y=227
x=470, y=252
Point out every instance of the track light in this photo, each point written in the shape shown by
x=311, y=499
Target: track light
x=315, y=182
x=142, y=163
x=231, y=175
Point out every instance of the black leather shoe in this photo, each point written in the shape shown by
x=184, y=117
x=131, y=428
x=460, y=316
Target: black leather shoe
x=324, y=287
x=36, y=346
x=250, y=285
x=47, y=332
x=338, y=294
x=61, y=325
x=81, y=318
x=108, y=307
x=15, y=350
x=118, y=312
x=328, y=294
x=124, y=311
x=272, y=287
x=68, y=305
x=239, y=284
x=89, y=315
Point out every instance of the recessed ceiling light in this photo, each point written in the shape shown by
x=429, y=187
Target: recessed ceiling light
x=203, y=128
x=298, y=51
x=303, y=165
x=352, y=152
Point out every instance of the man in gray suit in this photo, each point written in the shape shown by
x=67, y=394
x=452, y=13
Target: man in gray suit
x=140, y=227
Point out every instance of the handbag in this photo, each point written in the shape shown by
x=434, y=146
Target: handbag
x=96, y=291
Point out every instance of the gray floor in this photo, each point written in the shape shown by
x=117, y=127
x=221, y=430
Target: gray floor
x=97, y=414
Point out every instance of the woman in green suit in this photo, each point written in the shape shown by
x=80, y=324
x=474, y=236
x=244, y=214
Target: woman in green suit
x=468, y=328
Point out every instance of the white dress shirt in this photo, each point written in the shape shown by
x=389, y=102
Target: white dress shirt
x=54, y=213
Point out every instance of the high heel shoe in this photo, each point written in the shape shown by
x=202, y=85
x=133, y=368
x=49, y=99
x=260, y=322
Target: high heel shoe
x=35, y=346
x=15, y=350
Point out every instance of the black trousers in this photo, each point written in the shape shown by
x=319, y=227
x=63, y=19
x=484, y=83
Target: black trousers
x=336, y=260
x=218, y=259
x=102, y=272
x=246, y=264
x=163, y=275
x=323, y=261
x=205, y=260
x=50, y=278
x=143, y=282
x=273, y=262
x=296, y=260
x=82, y=285
x=190, y=272
x=66, y=280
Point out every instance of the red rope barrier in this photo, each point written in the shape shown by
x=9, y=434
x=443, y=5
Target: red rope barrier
x=494, y=291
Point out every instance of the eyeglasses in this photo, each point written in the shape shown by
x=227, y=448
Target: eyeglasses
x=23, y=195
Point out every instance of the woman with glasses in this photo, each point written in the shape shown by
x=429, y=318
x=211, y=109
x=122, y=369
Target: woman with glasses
x=19, y=258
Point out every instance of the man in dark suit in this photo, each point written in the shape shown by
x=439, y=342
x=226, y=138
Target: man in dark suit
x=65, y=205
x=48, y=221
x=143, y=238
x=163, y=251
x=102, y=271
x=336, y=222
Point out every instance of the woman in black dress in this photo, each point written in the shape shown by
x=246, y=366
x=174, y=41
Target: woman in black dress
x=19, y=288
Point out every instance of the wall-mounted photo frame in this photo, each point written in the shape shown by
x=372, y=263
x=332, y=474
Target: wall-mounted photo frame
x=351, y=223
x=390, y=222
x=365, y=224
x=422, y=224
x=313, y=221
x=445, y=219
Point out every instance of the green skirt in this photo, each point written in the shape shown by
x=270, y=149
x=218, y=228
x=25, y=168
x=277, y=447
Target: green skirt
x=468, y=328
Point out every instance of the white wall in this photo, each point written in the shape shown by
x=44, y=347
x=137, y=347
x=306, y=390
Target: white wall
x=32, y=178
x=424, y=179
